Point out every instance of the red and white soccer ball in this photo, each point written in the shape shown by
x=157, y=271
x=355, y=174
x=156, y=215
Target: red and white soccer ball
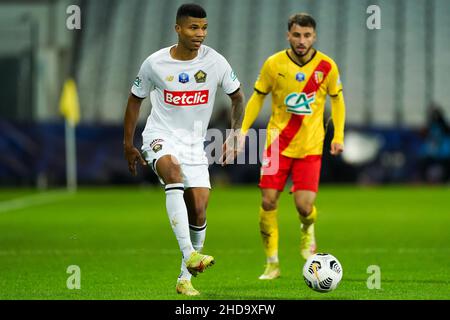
x=322, y=272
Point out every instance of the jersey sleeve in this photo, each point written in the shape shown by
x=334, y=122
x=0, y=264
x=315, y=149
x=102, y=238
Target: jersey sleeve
x=143, y=84
x=334, y=81
x=227, y=77
x=265, y=78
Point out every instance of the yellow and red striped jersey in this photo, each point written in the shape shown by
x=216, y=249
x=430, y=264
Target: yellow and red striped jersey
x=298, y=102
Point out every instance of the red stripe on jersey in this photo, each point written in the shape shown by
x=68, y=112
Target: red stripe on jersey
x=313, y=85
x=295, y=122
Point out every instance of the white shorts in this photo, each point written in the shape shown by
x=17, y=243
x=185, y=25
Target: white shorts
x=194, y=168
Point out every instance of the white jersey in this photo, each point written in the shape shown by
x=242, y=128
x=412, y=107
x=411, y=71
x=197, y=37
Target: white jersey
x=182, y=93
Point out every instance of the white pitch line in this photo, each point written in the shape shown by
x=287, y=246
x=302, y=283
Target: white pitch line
x=33, y=200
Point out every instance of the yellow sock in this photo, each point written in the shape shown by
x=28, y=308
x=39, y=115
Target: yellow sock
x=268, y=226
x=310, y=219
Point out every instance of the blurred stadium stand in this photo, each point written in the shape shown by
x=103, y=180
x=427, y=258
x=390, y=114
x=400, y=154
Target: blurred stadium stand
x=391, y=79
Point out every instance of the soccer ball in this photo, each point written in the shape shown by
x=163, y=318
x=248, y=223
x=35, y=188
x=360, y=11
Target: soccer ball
x=322, y=272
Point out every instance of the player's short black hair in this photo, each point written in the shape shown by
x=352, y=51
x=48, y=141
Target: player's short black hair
x=190, y=10
x=302, y=19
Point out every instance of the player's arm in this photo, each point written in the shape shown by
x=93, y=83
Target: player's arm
x=132, y=154
x=337, y=111
x=252, y=110
x=139, y=91
x=237, y=109
x=338, y=116
x=263, y=86
x=233, y=144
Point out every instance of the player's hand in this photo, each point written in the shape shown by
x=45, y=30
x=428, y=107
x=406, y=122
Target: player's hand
x=233, y=145
x=133, y=156
x=336, y=148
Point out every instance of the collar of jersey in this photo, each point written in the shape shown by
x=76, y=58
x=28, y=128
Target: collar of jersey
x=181, y=61
x=301, y=65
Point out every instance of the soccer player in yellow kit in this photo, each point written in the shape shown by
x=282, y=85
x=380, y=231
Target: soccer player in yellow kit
x=299, y=80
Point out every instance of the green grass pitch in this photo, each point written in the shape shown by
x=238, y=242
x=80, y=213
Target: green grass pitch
x=122, y=241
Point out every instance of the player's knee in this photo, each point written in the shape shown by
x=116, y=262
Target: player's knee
x=269, y=203
x=304, y=208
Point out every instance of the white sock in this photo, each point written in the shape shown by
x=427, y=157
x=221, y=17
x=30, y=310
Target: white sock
x=272, y=259
x=185, y=274
x=178, y=217
x=198, y=235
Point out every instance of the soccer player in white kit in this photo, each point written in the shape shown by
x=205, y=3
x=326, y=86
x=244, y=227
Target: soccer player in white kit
x=182, y=81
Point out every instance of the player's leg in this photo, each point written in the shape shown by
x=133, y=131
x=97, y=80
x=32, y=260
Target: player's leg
x=196, y=196
x=268, y=223
x=304, y=202
x=196, y=200
x=306, y=176
x=271, y=187
x=268, y=227
x=162, y=156
x=169, y=170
